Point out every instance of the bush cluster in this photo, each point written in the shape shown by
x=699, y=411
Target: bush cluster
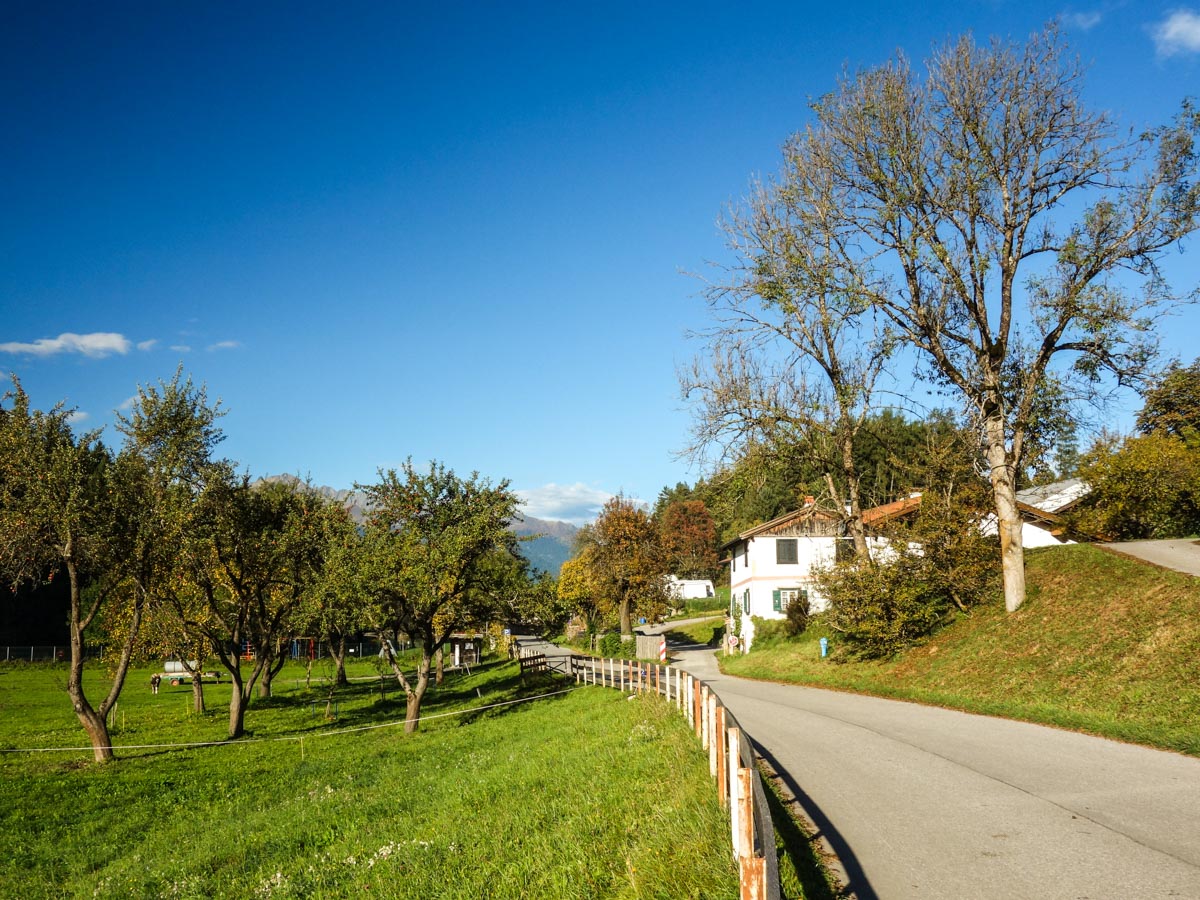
x=614, y=646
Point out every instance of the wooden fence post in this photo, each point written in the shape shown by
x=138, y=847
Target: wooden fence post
x=699, y=712
x=735, y=746
x=714, y=734
x=753, y=871
x=721, y=772
x=704, y=695
x=746, y=816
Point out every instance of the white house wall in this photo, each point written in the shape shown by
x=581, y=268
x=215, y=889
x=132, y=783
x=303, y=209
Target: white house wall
x=762, y=575
x=1031, y=535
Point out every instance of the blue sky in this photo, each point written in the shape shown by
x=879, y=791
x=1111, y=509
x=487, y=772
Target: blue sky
x=383, y=230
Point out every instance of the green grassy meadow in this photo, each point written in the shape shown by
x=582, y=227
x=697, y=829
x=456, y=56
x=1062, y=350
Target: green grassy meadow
x=1103, y=644
x=710, y=631
x=584, y=794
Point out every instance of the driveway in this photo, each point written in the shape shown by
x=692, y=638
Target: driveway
x=1182, y=555
x=921, y=802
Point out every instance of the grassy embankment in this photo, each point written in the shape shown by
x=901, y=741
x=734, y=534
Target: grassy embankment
x=710, y=631
x=582, y=795
x=1103, y=644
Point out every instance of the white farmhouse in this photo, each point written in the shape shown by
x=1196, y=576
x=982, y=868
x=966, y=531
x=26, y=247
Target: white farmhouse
x=772, y=565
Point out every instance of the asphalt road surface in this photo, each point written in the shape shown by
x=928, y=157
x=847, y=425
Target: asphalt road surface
x=1182, y=555
x=920, y=802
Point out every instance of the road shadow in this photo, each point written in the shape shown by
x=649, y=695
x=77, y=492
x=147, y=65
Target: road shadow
x=855, y=882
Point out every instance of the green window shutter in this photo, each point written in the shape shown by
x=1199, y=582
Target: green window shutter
x=776, y=603
x=746, y=601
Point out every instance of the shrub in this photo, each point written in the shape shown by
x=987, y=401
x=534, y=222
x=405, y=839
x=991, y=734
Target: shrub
x=768, y=632
x=613, y=645
x=881, y=609
x=798, y=612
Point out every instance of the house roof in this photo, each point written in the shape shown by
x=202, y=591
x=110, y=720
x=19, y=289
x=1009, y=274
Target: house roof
x=1055, y=498
x=881, y=515
x=808, y=511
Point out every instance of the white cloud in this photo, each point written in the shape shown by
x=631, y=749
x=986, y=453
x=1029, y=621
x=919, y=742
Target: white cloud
x=575, y=503
x=76, y=416
x=224, y=345
x=147, y=345
x=1084, y=21
x=97, y=345
x=181, y=348
x=1179, y=33
x=127, y=403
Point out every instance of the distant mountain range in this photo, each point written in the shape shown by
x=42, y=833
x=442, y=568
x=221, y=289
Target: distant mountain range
x=546, y=552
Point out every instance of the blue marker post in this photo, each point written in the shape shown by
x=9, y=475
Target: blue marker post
x=824, y=647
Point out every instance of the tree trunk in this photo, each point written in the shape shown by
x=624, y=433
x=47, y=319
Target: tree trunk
x=197, y=693
x=626, y=619
x=93, y=722
x=1008, y=517
x=337, y=650
x=441, y=659
x=415, y=694
x=237, y=707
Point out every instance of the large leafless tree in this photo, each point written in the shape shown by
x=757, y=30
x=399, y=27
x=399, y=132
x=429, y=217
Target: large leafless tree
x=796, y=351
x=1006, y=231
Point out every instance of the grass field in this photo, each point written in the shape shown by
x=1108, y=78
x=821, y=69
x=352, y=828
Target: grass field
x=1103, y=644
x=584, y=794
x=710, y=631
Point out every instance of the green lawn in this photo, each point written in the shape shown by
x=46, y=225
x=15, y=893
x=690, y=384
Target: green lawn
x=586, y=794
x=1103, y=644
x=710, y=631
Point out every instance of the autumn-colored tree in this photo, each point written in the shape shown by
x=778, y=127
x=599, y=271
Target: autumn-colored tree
x=687, y=536
x=577, y=591
x=626, y=563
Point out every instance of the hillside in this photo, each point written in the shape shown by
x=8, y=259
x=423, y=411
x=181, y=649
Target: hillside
x=1103, y=644
x=546, y=552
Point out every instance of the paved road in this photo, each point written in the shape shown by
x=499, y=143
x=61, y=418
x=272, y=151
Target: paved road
x=920, y=802
x=1182, y=555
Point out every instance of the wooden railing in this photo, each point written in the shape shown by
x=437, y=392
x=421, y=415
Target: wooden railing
x=731, y=759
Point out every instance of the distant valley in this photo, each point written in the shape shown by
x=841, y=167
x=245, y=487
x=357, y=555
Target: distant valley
x=546, y=552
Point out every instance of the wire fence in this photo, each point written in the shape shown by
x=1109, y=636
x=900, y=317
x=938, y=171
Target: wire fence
x=41, y=653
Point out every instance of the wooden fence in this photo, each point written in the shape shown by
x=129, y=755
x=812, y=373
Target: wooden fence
x=731, y=759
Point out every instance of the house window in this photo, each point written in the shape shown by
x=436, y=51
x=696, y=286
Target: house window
x=785, y=597
x=786, y=552
x=746, y=554
x=746, y=601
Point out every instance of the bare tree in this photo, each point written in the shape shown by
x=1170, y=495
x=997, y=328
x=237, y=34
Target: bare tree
x=998, y=224
x=797, y=350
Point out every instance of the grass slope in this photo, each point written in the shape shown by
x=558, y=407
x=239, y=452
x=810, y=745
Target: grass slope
x=1103, y=644
x=586, y=794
